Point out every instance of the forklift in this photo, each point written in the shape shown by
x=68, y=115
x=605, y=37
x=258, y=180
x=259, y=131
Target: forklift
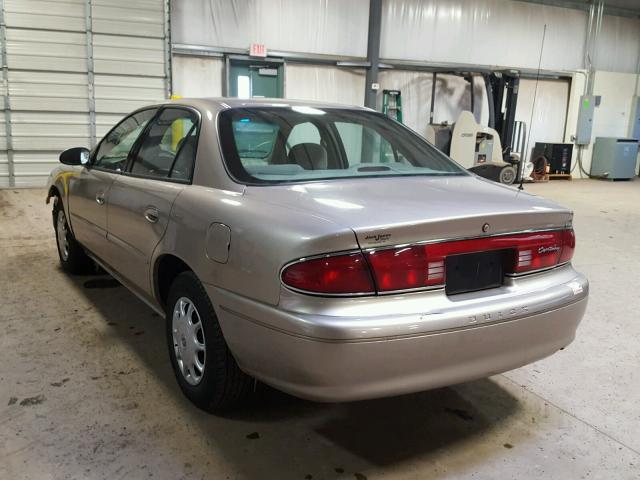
x=494, y=151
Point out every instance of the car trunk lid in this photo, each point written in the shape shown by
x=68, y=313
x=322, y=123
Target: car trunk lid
x=394, y=211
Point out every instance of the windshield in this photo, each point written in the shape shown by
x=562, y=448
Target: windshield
x=267, y=145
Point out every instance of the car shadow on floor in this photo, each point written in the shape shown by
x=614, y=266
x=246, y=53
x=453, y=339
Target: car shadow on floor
x=381, y=432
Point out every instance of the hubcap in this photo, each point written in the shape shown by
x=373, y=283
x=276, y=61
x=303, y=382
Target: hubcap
x=188, y=340
x=507, y=176
x=63, y=241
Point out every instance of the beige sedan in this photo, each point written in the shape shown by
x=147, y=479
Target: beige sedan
x=325, y=250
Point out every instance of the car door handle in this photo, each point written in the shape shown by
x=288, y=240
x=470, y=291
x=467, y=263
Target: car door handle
x=100, y=198
x=151, y=214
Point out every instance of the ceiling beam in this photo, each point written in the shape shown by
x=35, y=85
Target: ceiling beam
x=584, y=6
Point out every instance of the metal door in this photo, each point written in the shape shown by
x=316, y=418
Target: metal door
x=139, y=210
x=256, y=79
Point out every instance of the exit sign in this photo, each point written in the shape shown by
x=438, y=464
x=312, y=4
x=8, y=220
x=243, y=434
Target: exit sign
x=257, y=50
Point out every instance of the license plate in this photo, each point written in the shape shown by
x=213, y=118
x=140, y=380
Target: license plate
x=474, y=271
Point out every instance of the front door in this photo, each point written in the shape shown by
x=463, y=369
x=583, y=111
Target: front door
x=256, y=79
x=141, y=199
x=87, y=194
x=89, y=191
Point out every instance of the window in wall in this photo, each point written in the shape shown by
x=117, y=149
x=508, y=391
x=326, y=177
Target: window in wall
x=244, y=86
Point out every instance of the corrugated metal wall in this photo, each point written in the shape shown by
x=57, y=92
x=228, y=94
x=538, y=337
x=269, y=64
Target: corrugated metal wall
x=503, y=33
x=73, y=68
x=336, y=27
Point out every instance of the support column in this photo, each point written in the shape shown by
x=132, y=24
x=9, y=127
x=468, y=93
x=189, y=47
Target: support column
x=373, y=52
x=91, y=84
x=168, y=58
x=6, y=99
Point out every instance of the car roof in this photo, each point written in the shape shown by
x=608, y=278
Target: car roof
x=224, y=103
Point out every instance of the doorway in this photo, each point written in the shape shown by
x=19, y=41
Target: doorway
x=256, y=79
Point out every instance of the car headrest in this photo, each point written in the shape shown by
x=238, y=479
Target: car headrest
x=309, y=156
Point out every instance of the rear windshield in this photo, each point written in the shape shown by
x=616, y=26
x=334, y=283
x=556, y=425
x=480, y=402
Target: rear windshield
x=268, y=145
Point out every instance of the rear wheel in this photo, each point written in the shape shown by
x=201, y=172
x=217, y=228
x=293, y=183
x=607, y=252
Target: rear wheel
x=72, y=257
x=202, y=362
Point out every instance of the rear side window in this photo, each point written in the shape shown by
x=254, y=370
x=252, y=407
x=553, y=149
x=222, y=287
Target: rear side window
x=114, y=149
x=169, y=147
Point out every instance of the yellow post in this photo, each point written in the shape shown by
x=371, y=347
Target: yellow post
x=177, y=129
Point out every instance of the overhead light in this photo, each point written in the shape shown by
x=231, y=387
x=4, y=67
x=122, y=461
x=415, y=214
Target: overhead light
x=353, y=64
x=307, y=110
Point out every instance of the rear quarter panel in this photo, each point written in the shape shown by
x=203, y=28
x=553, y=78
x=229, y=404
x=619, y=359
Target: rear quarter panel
x=263, y=239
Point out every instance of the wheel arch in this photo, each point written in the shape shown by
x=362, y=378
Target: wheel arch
x=166, y=268
x=53, y=192
x=57, y=189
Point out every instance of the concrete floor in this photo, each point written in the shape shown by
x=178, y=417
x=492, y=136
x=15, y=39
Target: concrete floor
x=86, y=389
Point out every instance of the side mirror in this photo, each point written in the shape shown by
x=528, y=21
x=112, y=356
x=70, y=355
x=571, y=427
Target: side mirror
x=75, y=156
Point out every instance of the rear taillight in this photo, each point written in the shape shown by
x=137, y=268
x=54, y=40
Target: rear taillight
x=568, y=245
x=334, y=275
x=536, y=251
x=422, y=266
x=406, y=268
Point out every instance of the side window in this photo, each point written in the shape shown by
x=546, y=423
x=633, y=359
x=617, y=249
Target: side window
x=169, y=148
x=114, y=149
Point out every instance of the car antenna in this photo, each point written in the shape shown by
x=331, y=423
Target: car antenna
x=533, y=106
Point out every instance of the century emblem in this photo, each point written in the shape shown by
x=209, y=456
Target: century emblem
x=486, y=227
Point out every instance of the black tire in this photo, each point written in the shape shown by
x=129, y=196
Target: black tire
x=72, y=258
x=508, y=175
x=221, y=386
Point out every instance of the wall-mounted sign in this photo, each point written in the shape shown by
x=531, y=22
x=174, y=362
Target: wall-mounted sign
x=268, y=72
x=257, y=50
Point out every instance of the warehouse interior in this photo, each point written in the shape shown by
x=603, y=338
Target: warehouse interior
x=87, y=390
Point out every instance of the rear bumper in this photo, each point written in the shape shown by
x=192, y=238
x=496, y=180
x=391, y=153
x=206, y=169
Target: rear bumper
x=353, y=357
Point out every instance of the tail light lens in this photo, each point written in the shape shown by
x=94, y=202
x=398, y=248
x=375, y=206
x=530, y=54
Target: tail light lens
x=421, y=266
x=335, y=275
x=568, y=245
x=406, y=268
x=536, y=251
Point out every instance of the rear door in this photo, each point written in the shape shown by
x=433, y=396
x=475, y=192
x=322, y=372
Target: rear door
x=89, y=191
x=140, y=199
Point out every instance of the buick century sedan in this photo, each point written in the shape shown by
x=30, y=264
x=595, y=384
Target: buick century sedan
x=327, y=251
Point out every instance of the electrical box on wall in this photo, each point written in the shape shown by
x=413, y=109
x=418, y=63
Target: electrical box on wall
x=585, y=119
x=634, y=125
x=614, y=158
